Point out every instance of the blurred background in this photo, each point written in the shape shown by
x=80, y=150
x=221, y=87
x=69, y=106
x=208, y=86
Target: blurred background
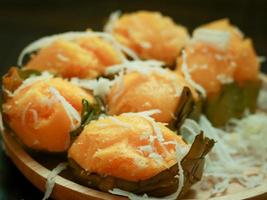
x=23, y=21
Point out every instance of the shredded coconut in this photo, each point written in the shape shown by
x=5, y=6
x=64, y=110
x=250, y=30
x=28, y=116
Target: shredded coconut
x=9, y=94
x=120, y=48
x=72, y=113
x=62, y=58
x=238, y=152
x=215, y=37
x=158, y=135
x=51, y=179
x=261, y=59
x=262, y=99
x=189, y=130
x=146, y=148
x=100, y=87
x=70, y=36
x=144, y=67
x=34, y=115
x=181, y=179
x=146, y=115
x=119, y=83
x=156, y=130
x=180, y=155
x=156, y=157
x=178, y=91
x=169, y=142
x=23, y=117
x=188, y=76
x=145, y=45
x=224, y=79
x=119, y=122
x=113, y=18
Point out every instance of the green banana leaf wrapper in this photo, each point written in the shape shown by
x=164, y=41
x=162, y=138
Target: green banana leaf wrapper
x=188, y=108
x=231, y=102
x=163, y=184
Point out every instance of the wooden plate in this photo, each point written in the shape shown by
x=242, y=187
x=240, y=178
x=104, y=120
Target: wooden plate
x=66, y=189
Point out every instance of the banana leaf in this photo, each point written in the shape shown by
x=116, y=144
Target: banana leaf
x=197, y=109
x=188, y=108
x=162, y=184
x=89, y=113
x=14, y=78
x=231, y=102
x=193, y=163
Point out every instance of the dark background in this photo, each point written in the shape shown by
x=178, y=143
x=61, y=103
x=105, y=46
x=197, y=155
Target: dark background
x=22, y=21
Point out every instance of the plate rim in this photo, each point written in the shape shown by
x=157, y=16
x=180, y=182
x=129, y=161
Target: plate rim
x=37, y=173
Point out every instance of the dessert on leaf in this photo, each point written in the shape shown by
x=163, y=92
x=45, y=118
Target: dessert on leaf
x=149, y=34
x=75, y=54
x=42, y=110
x=140, y=87
x=134, y=153
x=224, y=63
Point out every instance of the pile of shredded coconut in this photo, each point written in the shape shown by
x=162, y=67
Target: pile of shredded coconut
x=239, y=155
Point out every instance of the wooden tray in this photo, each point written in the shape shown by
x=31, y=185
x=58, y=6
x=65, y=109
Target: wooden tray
x=66, y=189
